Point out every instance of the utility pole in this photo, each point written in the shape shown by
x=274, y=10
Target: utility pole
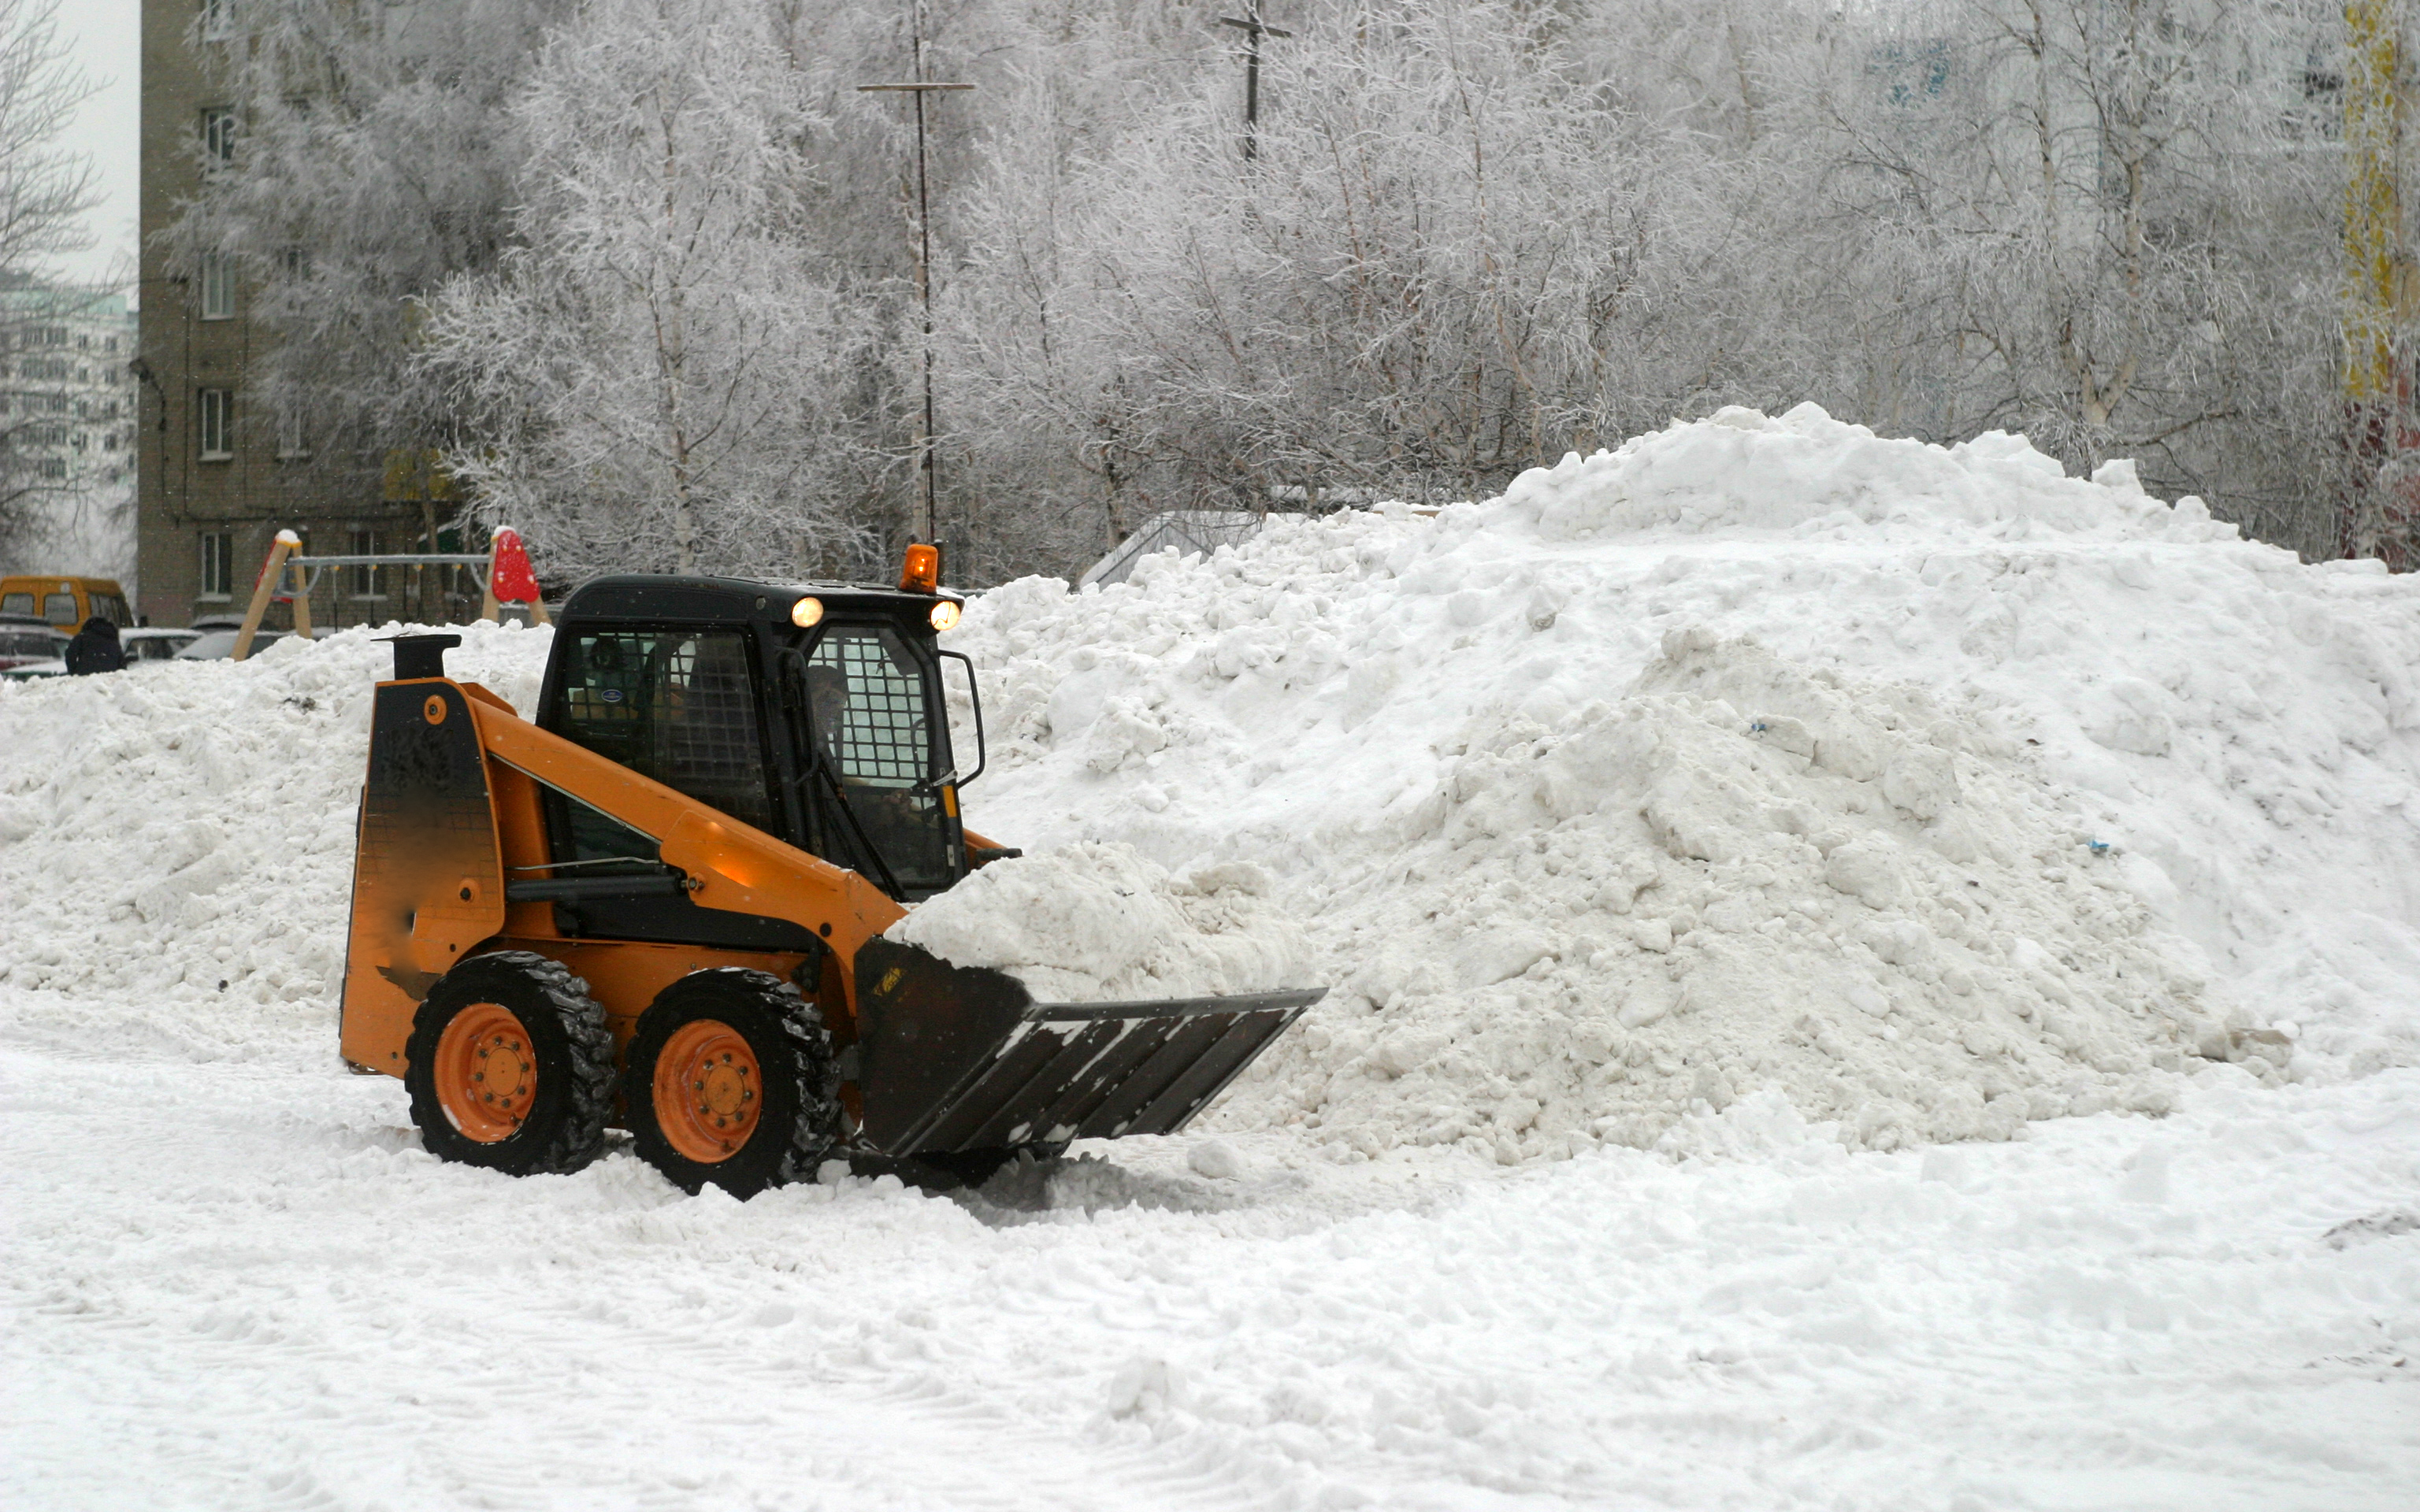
x=1252, y=28
x=916, y=89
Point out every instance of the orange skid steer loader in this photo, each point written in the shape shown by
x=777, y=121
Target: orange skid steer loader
x=662, y=906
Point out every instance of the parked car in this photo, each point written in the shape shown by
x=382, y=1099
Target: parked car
x=25, y=639
x=218, y=645
x=155, y=643
x=26, y=671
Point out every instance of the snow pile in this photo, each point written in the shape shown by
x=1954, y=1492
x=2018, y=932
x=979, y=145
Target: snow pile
x=178, y=837
x=1098, y=923
x=1741, y=875
x=1807, y=474
x=2150, y=807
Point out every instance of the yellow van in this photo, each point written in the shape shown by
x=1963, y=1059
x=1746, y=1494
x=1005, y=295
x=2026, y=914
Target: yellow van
x=66, y=602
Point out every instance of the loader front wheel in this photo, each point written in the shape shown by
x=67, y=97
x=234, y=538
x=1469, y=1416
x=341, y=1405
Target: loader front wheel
x=731, y=1083
x=510, y=1066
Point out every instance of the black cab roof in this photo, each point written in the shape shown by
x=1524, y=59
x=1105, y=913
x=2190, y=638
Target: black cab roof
x=654, y=598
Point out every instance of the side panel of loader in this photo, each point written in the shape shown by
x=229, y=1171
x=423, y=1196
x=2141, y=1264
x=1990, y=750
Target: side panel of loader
x=624, y=975
x=427, y=875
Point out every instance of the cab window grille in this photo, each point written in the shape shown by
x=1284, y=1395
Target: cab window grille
x=678, y=706
x=882, y=738
x=869, y=716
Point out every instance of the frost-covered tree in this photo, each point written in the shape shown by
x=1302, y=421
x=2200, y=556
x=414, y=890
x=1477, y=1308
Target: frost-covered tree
x=376, y=158
x=1477, y=234
x=2107, y=223
x=660, y=371
x=1449, y=258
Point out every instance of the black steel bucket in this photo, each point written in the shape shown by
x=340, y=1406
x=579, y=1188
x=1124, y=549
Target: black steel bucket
x=962, y=1059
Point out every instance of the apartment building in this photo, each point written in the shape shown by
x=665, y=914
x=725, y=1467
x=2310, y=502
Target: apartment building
x=219, y=474
x=67, y=423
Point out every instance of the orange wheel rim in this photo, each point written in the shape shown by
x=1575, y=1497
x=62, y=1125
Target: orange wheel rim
x=708, y=1091
x=487, y=1073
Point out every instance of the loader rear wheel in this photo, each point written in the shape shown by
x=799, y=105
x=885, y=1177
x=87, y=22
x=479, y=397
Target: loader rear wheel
x=510, y=1066
x=730, y=1082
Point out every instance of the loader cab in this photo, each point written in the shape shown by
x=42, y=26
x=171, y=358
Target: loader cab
x=813, y=712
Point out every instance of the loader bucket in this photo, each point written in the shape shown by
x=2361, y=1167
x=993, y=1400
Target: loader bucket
x=958, y=1058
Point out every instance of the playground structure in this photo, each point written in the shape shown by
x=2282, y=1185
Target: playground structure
x=503, y=572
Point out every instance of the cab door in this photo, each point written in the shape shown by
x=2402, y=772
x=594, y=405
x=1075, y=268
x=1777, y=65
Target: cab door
x=873, y=744
x=681, y=704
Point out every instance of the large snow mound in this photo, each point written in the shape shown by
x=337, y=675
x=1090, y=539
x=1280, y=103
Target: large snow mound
x=1094, y=923
x=1740, y=875
x=1908, y=790
x=1967, y=790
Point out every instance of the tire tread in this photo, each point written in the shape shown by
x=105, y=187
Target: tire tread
x=577, y=1136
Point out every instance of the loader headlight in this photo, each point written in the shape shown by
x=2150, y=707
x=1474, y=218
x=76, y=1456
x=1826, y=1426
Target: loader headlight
x=807, y=613
x=945, y=614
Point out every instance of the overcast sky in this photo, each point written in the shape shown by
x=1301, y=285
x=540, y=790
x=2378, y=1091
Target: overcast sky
x=107, y=37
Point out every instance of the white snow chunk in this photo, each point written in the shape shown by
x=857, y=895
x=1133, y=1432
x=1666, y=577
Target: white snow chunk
x=1092, y=923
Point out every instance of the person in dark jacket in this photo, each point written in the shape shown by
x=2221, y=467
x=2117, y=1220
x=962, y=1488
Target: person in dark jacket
x=94, y=649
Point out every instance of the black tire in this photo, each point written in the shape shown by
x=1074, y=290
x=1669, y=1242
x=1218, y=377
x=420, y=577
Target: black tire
x=569, y=1051
x=798, y=1125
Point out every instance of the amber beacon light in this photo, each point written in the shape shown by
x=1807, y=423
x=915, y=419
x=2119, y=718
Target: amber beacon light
x=922, y=572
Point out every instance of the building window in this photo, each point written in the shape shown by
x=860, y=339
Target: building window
x=365, y=581
x=218, y=19
x=218, y=286
x=109, y=344
x=291, y=443
x=55, y=466
x=217, y=416
x=218, y=564
x=218, y=139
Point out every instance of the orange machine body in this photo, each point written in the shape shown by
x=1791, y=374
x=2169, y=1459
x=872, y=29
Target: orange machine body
x=428, y=886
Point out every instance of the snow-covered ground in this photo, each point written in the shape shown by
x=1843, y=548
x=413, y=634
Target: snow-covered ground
x=245, y=1286
x=1865, y=976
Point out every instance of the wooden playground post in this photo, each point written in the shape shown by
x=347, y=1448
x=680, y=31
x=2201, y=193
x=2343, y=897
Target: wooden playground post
x=264, y=591
x=302, y=597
